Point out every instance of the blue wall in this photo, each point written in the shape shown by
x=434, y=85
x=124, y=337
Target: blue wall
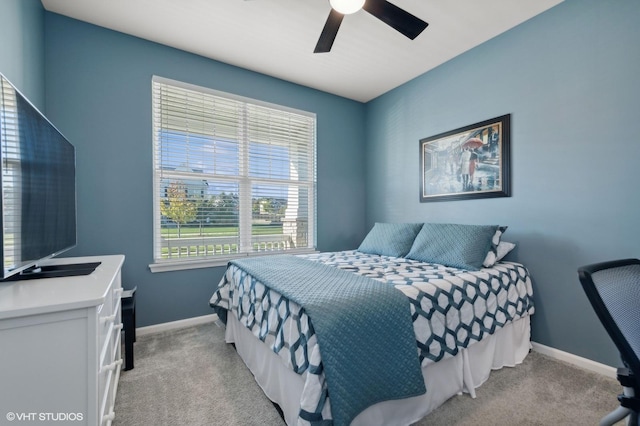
x=98, y=85
x=22, y=52
x=569, y=79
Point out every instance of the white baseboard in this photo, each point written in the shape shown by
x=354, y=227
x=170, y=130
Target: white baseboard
x=174, y=325
x=576, y=360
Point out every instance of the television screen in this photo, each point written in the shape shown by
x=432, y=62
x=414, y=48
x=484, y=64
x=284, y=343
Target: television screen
x=38, y=184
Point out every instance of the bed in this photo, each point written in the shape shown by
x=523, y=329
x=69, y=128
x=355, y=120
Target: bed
x=467, y=312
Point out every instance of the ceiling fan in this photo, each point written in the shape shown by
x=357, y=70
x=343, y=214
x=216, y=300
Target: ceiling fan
x=399, y=19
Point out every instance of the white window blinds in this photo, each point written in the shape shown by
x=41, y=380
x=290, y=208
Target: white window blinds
x=232, y=176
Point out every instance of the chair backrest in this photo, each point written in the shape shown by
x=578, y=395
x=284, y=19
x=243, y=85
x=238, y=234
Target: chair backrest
x=613, y=288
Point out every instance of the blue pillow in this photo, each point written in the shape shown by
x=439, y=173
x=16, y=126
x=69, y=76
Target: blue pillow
x=458, y=246
x=390, y=239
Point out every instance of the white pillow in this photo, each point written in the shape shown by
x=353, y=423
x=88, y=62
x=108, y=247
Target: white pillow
x=504, y=247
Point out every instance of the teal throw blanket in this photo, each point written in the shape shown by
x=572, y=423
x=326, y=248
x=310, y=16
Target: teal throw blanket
x=363, y=326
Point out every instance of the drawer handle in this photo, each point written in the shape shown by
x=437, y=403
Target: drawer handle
x=119, y=327
x=118, y=291
x=110, y=318
x=111, y=366
x=109, y=417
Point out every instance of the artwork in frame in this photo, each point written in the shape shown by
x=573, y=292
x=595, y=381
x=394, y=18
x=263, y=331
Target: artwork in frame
x=466, y=163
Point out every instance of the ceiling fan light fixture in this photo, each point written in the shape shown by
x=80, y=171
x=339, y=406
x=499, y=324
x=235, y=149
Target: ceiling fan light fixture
x=346, y=7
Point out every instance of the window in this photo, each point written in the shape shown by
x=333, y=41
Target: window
x=232, y=177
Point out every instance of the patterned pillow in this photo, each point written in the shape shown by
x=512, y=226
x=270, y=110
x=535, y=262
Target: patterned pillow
x=458, y=246
x=491, y=258
x=390, y=239
x=503, y=249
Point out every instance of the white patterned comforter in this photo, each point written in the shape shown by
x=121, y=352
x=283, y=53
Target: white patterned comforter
x=451, y=309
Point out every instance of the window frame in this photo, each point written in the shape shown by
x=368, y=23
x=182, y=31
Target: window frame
x=243, y=179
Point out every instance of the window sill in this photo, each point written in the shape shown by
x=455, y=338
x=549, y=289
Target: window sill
x=196, y=263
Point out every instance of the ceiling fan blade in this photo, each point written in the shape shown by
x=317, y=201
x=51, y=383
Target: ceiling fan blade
x=329, y=32
x=399, y=19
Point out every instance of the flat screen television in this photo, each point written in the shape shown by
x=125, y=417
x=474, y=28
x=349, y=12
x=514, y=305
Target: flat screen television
x=38, y=187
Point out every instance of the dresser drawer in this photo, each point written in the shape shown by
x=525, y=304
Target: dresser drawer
x=109, y=370
x=116, y=290
x=106, y=320
x=109, y=315
x=105, y=406
x=110, y=360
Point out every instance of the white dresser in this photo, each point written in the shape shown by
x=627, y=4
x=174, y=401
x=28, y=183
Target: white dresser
x=60, y=355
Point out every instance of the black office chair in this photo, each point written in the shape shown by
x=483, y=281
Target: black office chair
x=613, y=288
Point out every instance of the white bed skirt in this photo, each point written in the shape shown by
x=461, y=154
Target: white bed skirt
x=465, y=372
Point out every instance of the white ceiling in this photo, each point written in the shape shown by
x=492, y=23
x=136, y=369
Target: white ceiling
x=277, y=37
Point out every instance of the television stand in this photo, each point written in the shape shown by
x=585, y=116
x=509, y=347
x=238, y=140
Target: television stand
x=60, y=344
x=55, y=271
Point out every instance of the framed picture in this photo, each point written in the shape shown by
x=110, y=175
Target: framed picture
x=466, y=163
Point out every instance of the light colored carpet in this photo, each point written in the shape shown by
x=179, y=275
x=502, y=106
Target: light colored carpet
x=192, y=377
x=540, y=391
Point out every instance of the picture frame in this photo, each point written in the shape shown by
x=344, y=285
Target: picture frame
x=467, y=163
